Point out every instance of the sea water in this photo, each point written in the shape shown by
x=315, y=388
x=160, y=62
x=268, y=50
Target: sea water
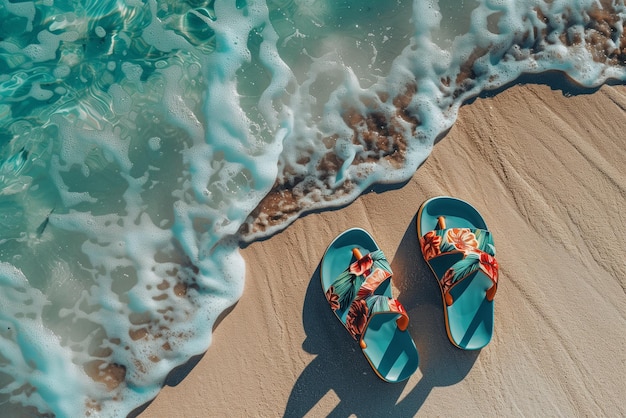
x=142, y=141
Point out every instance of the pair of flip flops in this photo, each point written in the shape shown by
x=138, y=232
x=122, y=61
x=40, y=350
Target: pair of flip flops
x=356, y=278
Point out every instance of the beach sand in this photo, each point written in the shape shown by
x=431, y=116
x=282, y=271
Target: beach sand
x=547, y=171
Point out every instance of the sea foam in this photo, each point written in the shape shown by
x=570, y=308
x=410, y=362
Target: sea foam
x=143, y=141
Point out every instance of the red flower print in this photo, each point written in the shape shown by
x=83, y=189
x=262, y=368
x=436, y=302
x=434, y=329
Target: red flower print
x=357, y=318
x=430, y=244
x=403, y=320
x=332, y=298
x=396, y=306
x=463, y=239
x=362, y=265
x=490, y=266
x=447, y=280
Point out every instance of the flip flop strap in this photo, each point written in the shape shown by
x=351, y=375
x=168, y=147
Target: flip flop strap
x=362, y=310
x=359, y=280
x=478, y=254
x=466, y=240
x=470, y=263
x=353, y=291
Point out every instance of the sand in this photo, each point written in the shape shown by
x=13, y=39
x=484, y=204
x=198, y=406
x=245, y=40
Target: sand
x=546, y=170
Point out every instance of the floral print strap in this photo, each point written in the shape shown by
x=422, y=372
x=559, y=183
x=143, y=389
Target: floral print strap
x=362, y=310
x=353, y=292
x=478, y=254
x=369, y=271
x=441, y=241
x=470, y=263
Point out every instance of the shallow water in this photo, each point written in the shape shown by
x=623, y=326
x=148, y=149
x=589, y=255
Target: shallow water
x=141, y=142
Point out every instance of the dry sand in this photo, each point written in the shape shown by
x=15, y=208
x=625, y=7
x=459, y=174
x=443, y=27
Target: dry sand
x=547, y=172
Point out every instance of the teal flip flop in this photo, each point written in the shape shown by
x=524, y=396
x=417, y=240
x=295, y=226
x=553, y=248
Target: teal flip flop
x=459, y=250
x=356, y=279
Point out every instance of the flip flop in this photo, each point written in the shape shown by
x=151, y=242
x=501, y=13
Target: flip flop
x=356, y=279
x=459, y=250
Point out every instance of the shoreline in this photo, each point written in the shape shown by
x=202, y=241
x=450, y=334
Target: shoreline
x=546, y=171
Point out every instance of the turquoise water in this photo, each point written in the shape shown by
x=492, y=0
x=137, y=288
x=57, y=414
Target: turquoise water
x=142, y=141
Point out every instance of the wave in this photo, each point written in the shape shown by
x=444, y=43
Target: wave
x=142, y=142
